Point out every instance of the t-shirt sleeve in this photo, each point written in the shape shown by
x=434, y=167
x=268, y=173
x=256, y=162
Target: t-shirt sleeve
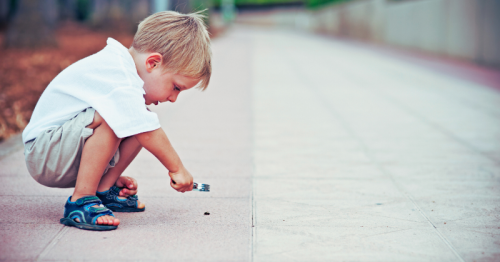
x=125, y=111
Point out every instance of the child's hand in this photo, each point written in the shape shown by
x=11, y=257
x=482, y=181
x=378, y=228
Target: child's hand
x=128, y=185
x=181, y=180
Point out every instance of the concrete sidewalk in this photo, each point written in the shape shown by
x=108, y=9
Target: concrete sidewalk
x=211, y=131
x=363, y=157
x=315, y=150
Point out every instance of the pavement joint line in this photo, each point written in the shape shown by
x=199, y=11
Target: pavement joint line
x=52, y=243
x=443, y=238
x=253, y=149
x=254, y=227
x=335, y=114
x=254, y=204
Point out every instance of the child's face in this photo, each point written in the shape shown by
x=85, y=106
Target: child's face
x=165, y=86
x=160, y=86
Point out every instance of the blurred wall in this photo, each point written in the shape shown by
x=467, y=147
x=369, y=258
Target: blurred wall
x=468, y=29
x=160, y=5
x=119, y=14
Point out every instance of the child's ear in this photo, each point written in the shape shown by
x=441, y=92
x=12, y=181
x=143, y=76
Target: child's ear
x=153, y=61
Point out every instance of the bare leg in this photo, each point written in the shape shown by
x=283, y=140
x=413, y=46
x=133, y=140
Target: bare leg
x=129, y=148
x=97, y=152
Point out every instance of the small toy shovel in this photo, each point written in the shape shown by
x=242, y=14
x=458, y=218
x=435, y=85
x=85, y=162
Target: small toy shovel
x=201, y=187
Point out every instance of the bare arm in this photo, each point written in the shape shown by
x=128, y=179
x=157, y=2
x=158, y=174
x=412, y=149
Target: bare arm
x=158, y=144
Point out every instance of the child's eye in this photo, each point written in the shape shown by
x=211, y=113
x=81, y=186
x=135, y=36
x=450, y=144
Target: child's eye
x=176, y=88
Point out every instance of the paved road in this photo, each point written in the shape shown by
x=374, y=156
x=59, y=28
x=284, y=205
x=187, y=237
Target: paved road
x=362, y=157
x=316, y=150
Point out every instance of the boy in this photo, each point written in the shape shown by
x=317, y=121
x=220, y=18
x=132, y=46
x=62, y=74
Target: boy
x=92, y=119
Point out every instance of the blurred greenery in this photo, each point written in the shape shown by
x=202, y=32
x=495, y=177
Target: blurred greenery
x=259, y=2
x=199, y=5
x=83, y=9
x=319, y=3
x=308, y=3
x=203, y=5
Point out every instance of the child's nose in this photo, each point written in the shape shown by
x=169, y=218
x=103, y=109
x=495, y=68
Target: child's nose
x=173, y=98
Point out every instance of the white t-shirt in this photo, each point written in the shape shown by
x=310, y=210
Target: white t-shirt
x=108, y=82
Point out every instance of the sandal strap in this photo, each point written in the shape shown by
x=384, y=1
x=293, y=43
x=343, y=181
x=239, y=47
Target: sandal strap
x=111, y=197
x=134, y=197
x=114, y=190
x=85, y=210
x=88, y=200
x=100, y=210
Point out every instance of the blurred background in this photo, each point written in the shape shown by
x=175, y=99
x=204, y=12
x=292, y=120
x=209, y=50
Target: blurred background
x=41, y=38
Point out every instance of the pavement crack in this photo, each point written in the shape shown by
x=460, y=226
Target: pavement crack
x=52, y=243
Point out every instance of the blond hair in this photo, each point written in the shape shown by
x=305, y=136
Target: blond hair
x=182, y=40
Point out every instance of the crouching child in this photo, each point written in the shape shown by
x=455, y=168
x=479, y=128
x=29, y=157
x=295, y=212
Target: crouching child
x=92, y=119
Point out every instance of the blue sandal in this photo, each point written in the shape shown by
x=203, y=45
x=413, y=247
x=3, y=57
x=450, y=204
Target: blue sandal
x=84, y=210
x=110, y=199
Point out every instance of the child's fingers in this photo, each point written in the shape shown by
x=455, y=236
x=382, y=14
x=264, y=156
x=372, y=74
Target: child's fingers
x=127, y=192
x=127, y=182
x=131, y=192
x=121, y=182
x=187, y=187
x=176, y=186
x=131, y=183
x=173, y=184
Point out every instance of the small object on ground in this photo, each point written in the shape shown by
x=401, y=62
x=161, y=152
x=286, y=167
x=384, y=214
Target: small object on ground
x=207, y=213
x=201, y=187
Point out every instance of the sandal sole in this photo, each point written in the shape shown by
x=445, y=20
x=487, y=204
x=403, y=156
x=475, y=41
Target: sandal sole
x=72, y=223
x=126, y=209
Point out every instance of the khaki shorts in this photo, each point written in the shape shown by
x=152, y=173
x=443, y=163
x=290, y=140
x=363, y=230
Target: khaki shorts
x=53, y=158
